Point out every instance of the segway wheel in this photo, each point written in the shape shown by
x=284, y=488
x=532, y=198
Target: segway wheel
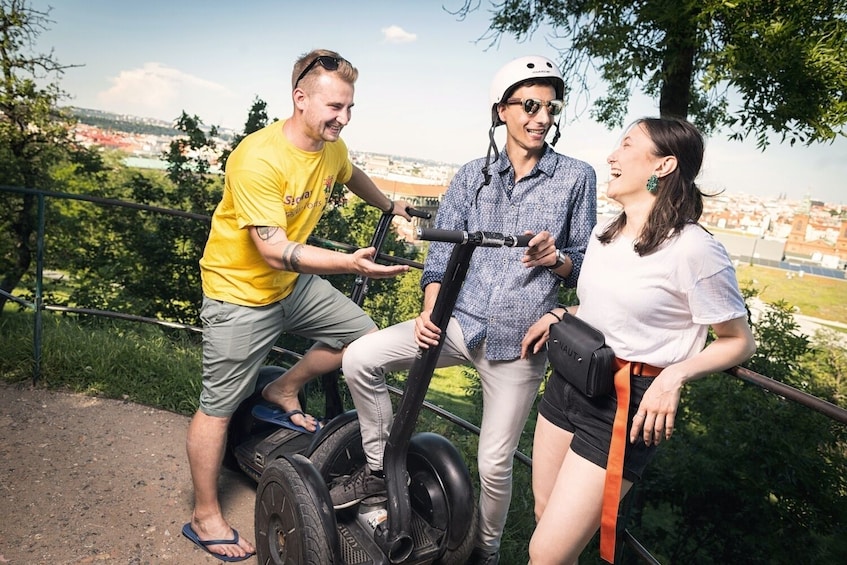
x=339, y=452
x=459, y=555
x=287, y=523
x=441, y=491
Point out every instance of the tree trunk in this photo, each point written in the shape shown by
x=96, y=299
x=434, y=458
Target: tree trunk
x=678, y=68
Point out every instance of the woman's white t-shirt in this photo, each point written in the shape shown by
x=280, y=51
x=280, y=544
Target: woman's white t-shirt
x=657, y=309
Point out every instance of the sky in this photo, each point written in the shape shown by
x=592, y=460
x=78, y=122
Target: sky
x=422, y=92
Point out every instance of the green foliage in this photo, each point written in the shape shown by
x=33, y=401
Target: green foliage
x=784, y=60
x=354, y=222
x=257, y=118
x=788, y=63
x=826, y=364
x=779, y=344
x=146, y=262
x=34, y=135
x=745, y=460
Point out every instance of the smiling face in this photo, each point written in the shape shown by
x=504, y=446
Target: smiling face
x=326, y=104
x=632, y=163
x=522, y=130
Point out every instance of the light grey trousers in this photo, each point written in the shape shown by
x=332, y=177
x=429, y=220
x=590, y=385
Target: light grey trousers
x=508, y=390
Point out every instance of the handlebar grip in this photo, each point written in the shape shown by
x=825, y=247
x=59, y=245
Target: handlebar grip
x=418, y=213
x=480, y=238
x=447, y=236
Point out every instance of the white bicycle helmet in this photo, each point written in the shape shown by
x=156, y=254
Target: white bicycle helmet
x=519, y=70
x=512, y=73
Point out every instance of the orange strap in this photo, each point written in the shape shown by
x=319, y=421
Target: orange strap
x=614, y=466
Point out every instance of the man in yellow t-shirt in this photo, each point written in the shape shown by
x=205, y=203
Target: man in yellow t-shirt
x=260, y=278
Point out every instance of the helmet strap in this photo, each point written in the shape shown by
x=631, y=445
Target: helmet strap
x=492, y=147
x=556, y=135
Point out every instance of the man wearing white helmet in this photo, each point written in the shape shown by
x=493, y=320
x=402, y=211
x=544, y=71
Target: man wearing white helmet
x=526, y=188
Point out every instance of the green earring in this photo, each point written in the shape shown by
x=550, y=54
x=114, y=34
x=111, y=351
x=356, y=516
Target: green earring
x=653, y=184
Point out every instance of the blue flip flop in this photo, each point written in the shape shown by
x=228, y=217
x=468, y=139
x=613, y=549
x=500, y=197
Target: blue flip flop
x=189, y=532
x=280, y=417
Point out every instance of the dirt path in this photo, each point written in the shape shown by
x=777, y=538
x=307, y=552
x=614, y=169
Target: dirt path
x=90, y=480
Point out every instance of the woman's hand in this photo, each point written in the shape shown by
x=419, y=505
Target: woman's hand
x=654, y=420
x=537, y=335
x=655, y=417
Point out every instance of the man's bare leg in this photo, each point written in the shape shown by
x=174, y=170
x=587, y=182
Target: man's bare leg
x=205, y=445
x=283, y=392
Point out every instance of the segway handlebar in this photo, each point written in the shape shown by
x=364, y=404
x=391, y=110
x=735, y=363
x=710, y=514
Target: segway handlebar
x=414, y=212
x=479, y=238
x=396, y=540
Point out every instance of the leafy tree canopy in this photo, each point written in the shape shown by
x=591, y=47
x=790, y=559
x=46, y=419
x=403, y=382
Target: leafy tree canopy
x=752, y=67
x=34, y=134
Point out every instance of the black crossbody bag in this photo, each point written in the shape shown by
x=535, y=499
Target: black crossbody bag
x=578, y=352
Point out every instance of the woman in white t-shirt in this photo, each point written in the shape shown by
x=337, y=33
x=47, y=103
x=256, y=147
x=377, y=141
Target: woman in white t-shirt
x=653, y=282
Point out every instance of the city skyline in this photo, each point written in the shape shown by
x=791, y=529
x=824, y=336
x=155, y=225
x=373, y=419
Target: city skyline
x=422, y=91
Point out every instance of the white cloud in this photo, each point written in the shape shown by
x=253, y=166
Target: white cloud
x=159, y=91
x=396, y=34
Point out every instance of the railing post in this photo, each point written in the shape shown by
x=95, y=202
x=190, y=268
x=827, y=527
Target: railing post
x=39, y=305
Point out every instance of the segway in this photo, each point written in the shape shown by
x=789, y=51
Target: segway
x=428, y=514
x=253, y=443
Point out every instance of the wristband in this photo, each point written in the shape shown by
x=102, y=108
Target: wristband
x=390, y=207
x=555, y=315
x=561, y=257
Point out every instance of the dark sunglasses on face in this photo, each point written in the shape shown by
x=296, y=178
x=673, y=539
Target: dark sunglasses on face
x=327, y=62
x=532, y=105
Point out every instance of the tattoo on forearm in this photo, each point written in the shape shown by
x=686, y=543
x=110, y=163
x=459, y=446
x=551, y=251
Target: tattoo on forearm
x=291, y=257
x=266, y=232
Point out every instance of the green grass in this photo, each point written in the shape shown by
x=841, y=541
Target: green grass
x=819, y=297
x=448, y=388
x=113, y=359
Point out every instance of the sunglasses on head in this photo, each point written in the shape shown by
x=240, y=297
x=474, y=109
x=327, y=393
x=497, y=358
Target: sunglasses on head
x=532, y=105
x=327, y=62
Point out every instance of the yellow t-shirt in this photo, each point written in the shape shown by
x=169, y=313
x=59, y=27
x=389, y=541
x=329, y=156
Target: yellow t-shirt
x=269, y=182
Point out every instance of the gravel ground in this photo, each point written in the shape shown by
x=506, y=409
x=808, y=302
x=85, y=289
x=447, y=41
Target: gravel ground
x=92, y=480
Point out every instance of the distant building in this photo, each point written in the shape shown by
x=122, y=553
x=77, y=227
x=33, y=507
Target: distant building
x=810, y=239
x=751, y=249
x=421, y=195
x=378, y=164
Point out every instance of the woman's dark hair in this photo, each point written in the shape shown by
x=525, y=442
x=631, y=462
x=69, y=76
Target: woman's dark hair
x=678, y=199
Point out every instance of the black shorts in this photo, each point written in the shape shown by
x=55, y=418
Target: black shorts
x=591, y=420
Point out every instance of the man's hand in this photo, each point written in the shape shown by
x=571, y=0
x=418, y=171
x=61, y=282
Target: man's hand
x=363, y=264
x=541, y=251
x=427, y=333
x=399, y=209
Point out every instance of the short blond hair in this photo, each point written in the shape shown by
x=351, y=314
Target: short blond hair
x=346, y=71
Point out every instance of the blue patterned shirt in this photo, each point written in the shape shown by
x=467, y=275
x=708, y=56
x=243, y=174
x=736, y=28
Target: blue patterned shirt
x=501, y=298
